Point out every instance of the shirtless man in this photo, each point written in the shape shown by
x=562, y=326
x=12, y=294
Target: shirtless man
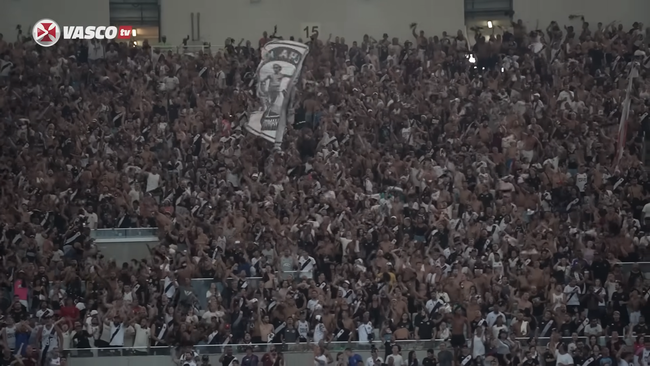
x=274, y=87
x=458, y=323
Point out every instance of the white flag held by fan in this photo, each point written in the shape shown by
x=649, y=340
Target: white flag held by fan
x=625, y=114
x=276, y=76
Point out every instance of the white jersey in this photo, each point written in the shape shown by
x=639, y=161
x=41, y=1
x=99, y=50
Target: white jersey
x=303, y=328
x=320, y=360
x=117, y=335
x=573, y=295
x=645, y=358
x=169, y=288
x=306, y=264
x=49, y=338
x=185, y=361
x=319, y=332
x=581, y=181
x=11, y=337
x=364, y=331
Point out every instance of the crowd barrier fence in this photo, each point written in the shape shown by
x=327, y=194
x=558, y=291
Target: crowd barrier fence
x=193, y=49
x=294, y=354
x=123, y=234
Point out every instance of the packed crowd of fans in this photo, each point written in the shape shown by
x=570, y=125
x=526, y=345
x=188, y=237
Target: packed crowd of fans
x=460, y=193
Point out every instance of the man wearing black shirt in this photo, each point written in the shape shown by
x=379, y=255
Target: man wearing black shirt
x=486, y=199
x=641, y=328
x=549, y=358
x=368, y=243
x=430, y=360
x=544, y=330
x=18, y=311
x=529, y=360
x=227, y=357
x=616, y=325
x=289, y=333
x=538, y=299
x=465, y=358
x=424, y=326
x=619, y=302
x=600, y=268
x=159, y=108
x=479, y=244
x=81, y=337
x=205, y=360
x=578, y=357
x=570, y=327
x=247, y=51
x=614, y=344
x=82, y=53
x=635, y=274
x=7, y=358
x=172, y=110
x=230, y=48
x=411, y=64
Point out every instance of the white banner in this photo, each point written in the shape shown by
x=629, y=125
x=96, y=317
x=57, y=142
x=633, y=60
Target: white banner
x=276, y=77
x=625, y=115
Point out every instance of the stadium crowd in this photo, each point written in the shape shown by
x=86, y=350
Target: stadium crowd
x=463, y=193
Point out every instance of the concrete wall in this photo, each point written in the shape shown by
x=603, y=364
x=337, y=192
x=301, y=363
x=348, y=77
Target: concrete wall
x=348, y=18
x=352, y=19
x=68, y=12
x=291, y=359
x=540, y=13
x=124, y=251
x=124, y=245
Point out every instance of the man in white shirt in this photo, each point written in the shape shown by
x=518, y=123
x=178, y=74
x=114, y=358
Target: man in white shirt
x=491, y=318
x=142, y=337
x=92, y=218
x=563, y=357
x=646, y=210
x=572, y=292
x=153, y=180
x=5, y=68
x=364, y=330
x=306, y=265
x=374, y=359
x=95, y=50
x=170, y=285
x=397, y=358
x=319, y=330
x=626, y=359
x=170, y=82
x=117, y=330
x=321, y=359
x=593, y=328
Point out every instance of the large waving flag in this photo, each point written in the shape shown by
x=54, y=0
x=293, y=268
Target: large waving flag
x=625, y=115
x=277, y=75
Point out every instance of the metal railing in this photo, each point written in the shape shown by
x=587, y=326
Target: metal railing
x=202, y=285
x=644, y=267
x=195, y=48
x=205, y=349
x=128, y=233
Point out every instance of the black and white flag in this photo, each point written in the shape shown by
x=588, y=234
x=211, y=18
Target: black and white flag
x=276, y=76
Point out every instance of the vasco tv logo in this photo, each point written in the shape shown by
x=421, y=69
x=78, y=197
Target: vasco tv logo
x=47, y=32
